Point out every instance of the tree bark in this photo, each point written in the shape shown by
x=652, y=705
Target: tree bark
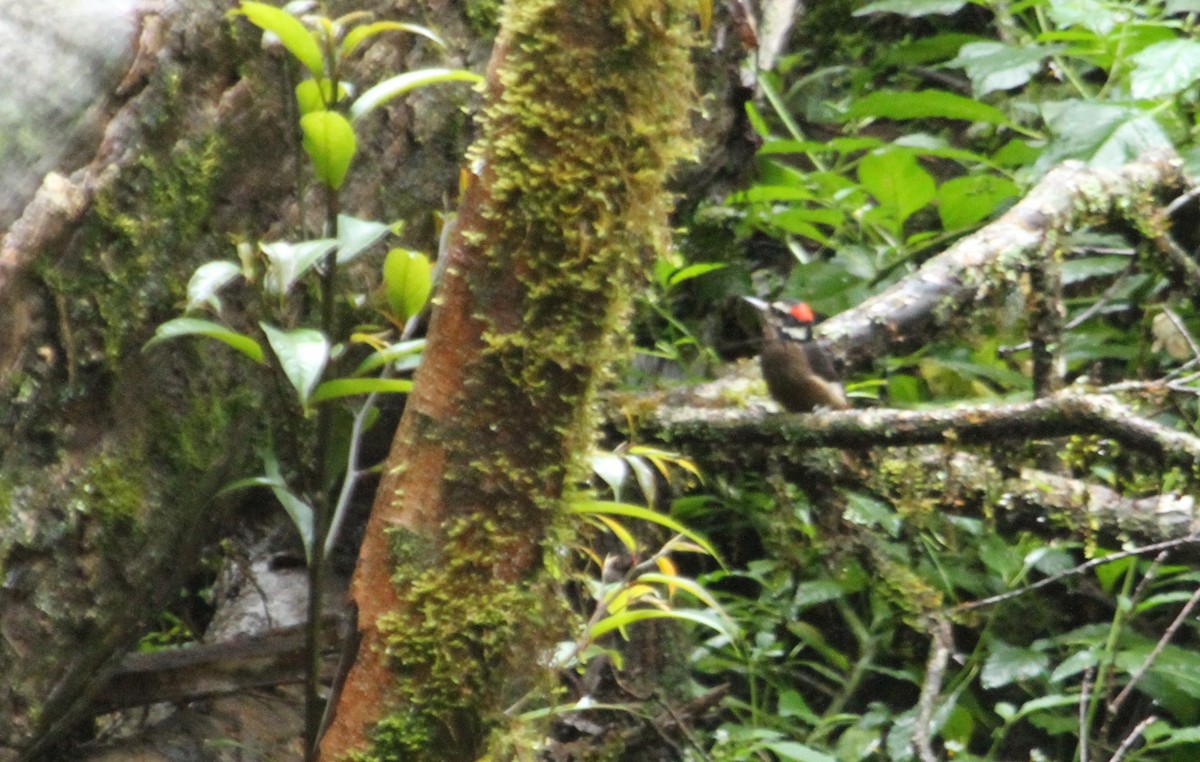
x=587, y=105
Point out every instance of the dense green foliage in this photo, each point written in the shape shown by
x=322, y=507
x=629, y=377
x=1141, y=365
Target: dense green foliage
x=891, y=130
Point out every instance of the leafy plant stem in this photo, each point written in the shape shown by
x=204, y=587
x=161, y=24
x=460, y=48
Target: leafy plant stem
x=1062, y=64
x=1104, y=671
x=785, y=116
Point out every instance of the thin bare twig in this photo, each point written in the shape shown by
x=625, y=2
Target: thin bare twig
x=1167, y=635
x=940, y=650
x=1133, y=736
x=1086, y=566
x=1085, y=691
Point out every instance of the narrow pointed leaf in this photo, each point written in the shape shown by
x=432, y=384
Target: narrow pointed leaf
x=363, y=32
x=389, y=354
x=349, y=387
x=403, y=83
x=196, y=327
x=585, y=507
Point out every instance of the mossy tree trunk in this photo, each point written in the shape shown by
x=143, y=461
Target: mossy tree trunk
x=586, y=111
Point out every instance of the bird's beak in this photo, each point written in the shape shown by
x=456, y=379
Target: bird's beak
x=757, y=304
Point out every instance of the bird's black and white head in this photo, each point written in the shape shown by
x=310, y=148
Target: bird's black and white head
x=793, y=320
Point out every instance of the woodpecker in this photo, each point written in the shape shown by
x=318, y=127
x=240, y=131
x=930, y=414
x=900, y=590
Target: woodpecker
x=799, y=373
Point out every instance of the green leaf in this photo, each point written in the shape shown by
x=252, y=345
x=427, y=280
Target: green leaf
x=356, y=236
x=612, y=469
x=407, y=282
x=302, y=354
x=195, y=327
x=1164, y=69
x=1104, y=135
x=693, y=271
x=629, y=616
x=1008, y=664
x=363, y=32
x=298, y=510
x=350, y=387
x=330, y=144
x=388, y=354
x=993, y=66
x=604, y=507
x=925, y=50
x=1088, y=14
x=402, y=83
x=208, y=279
x=317, y=95
x=964, y=201
x=925, y=104
x=287, y=262
x=912, y=8
x=897, y=181
x=798, y=752
x=296, y=38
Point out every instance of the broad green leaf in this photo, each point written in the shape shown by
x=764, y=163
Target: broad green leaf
x=287, y=262
x=801, y=221
x=925, y=50
x=897, y=181
x=296, y=38
x=317, y=95
x=797, y=752
x=924, y=104
x=1008, y=664
x=208, y=279
x=1089, y=14
x=1165, y=69
x=330, y=143
x=195, y=327
x=363, y=32
x=993, y=66
x=355, y=236
x=407, y=282
x=869, y=511
x=349, y=387
x=302, y=354
x=1085, y=268
x=966, y=200
x=402, y=83
x=1104, y=135
x=912, y=8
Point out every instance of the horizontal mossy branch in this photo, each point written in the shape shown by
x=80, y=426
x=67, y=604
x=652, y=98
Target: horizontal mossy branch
x=948, y=286
x=752, y=438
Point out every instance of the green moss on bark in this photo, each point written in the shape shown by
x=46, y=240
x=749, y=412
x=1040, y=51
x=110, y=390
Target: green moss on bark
x=585, y=120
